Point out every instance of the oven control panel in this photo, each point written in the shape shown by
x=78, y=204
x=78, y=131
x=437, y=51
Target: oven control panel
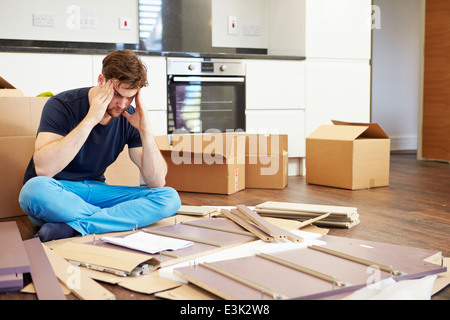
x=205, y=66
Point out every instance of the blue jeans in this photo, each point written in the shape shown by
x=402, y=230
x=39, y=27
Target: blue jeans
x=93, y=207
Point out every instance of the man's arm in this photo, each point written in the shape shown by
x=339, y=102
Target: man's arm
x=148, y=158
x=54, y=152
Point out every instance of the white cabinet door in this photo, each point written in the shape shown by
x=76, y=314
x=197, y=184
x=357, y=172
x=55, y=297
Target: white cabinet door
x=158, y=121
x=35, y=73
x=338, y=29
x=155, y=94
x=275, y=84
x=337, y=90
x=290, y=122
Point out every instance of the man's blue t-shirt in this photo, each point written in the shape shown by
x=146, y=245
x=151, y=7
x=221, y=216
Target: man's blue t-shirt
x=62, y=113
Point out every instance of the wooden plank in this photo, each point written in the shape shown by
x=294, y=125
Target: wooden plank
x=247, y=225
x=81, y=285
x=218, y=228
x=44, y=279
x=13, y=257
x=271, y=229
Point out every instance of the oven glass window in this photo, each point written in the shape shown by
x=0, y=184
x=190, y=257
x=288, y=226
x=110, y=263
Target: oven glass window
x=201, y=106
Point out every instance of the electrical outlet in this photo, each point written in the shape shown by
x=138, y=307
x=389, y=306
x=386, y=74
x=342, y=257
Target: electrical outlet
x=88, y=18
x=43, y=20
x=252, y=30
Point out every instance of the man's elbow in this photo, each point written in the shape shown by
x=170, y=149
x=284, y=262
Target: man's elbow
x=157, y=183
x=42, y=171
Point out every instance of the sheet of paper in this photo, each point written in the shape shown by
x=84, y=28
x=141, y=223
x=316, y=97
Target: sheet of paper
x=148, y=243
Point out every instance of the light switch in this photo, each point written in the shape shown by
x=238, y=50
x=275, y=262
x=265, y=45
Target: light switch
x=232, y=25
x=125, y=23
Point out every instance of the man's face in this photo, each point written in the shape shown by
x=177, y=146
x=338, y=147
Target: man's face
x=123, y=97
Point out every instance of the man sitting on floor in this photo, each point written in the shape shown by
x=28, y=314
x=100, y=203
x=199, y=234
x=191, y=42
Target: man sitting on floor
x=82, y=131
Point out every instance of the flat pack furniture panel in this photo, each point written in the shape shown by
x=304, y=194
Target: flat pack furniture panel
x=13, y=257
x=11, y=282
x=44, y=279
x=308, y=273
x=338, y=216
x=411, y=260
x=208, y=234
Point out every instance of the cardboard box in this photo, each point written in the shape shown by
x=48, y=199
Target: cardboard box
x=266, y=161
x=8, y=90
x=207, y=163
x=348, y=155
x=19, y=120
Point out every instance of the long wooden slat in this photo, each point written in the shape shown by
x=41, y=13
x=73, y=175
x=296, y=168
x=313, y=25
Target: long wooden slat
x=247, y=225
x=311, y=221
x=44, y=279
x=217, y=228
x=358, y=260
x=267, y=226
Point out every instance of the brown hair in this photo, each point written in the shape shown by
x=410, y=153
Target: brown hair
x=127, y=67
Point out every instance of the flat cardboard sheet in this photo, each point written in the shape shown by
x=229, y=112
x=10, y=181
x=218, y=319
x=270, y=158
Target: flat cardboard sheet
x=102, y=257
x=81, y=285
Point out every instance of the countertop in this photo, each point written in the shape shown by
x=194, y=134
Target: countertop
x=58, y=47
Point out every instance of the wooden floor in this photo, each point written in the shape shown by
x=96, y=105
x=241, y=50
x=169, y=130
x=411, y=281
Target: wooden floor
x=413, y=211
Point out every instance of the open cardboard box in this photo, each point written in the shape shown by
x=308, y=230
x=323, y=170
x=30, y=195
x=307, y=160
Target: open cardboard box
x=348, y=155
x=207, y=163
x=19, y=120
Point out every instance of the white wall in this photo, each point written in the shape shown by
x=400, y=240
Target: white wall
x=250, y=13
x=395, y=71
x=16, y=20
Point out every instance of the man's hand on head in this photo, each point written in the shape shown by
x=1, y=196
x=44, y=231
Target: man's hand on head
x=100, y=102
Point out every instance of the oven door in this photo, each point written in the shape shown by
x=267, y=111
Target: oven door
x=199, y=104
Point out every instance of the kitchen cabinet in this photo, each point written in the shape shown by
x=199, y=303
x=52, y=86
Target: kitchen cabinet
x=290, y=122
x=337, y=90
x=320, y=28
x=275, y=100
x=338, y=29
x=275, y=84
x=35, y=73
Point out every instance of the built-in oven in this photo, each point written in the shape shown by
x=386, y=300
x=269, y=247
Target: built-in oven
x=205, y=94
